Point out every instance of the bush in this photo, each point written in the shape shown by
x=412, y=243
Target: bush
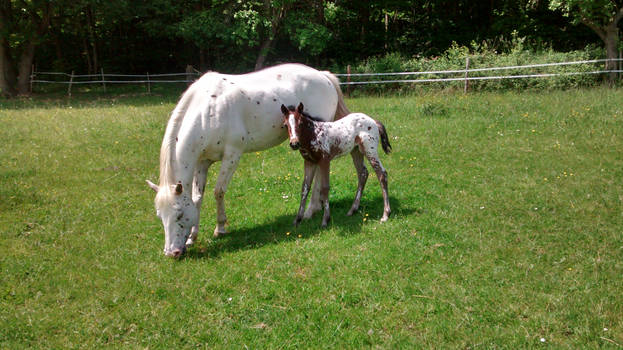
x=483, y=55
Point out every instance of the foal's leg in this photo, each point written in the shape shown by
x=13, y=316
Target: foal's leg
x=324, y=172
x=228, y=166
x=310, y=170
x=381, y=174
x=362, y=175
x=199, y=185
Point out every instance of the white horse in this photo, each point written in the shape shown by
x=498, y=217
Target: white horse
x=219, y=118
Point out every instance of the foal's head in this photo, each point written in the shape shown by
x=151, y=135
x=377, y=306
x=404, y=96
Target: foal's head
x=292, y=119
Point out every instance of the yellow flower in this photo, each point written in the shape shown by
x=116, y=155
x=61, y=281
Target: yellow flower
x=287, y=233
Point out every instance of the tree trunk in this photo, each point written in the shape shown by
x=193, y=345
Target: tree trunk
x=264, y=49
x=7, y=73
x=25, y=67
x=612, y=44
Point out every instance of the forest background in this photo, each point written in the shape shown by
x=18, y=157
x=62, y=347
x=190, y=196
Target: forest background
x=162, y=36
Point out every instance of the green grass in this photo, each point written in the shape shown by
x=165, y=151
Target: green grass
x=506, y=228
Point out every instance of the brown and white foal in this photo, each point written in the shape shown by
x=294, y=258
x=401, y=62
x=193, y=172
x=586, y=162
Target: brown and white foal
x=320, y=142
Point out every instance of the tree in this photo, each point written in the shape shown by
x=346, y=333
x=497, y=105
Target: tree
x=23, y=25
x=602, y=16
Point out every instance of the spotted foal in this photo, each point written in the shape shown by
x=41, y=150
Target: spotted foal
x=320, y=142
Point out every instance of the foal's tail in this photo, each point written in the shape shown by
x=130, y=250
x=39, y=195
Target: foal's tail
x=384, y=139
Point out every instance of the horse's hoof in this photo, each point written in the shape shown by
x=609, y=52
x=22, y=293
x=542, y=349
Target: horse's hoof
x=296, y=222
x=384, y=218
x=220, y=233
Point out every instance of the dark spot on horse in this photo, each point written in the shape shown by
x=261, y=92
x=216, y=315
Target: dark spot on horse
x=278, y=76
x=369, y=127
x=224, y=78
x=243, y=138
x=179, y=217
x=176, y=139
x=218, y=142
x=273, y=126
x=213, y=96
x=258, y=102
x=249, y=98
x=232, y=83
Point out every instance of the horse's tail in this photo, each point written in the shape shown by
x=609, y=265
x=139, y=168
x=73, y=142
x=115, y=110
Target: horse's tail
x=341, y=109
x=384, y=139
x=167, y=150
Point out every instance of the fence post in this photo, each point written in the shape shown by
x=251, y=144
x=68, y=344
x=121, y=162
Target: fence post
x=348, y=80
x=148, y=84
x=466, y=87
x=71, y=80
x=620, y=62
x=103, y=80
x=32, y=76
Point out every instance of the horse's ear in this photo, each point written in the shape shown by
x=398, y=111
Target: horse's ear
x=179, y=188
x=300, y=108
x=153, y=186
x=284, y=110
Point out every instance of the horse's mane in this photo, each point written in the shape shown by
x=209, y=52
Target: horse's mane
x=167, y=150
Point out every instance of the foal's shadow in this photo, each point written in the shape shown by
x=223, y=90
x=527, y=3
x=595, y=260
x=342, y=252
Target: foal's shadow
x=281, y=228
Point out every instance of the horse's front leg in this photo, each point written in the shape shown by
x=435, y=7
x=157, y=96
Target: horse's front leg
x=228, y=166
x=324, y=172
x=199, y=184
x=310, y=170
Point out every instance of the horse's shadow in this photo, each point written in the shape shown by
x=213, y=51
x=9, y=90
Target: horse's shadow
x=281, y=228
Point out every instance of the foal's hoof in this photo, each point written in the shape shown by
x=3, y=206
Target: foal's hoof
x=296, y=222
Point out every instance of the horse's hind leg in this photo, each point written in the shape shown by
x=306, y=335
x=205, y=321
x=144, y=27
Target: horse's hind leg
x=324, y=173
x=199, y=184
x=228, y=166
x=314, y=202
x=362, y=176
x=381, y=174
x=310, y=170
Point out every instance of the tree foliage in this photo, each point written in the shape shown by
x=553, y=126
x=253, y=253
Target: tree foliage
x=232, y=35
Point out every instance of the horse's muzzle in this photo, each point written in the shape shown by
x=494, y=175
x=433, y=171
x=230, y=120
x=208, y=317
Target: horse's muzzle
x=295, y=145
x=176, y=253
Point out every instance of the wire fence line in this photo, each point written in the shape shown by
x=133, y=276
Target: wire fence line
x=191, y=75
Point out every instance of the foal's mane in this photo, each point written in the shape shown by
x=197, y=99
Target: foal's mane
x=305, y=114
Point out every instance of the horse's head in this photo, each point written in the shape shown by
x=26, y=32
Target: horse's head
x=174, y=206
x=292, y=119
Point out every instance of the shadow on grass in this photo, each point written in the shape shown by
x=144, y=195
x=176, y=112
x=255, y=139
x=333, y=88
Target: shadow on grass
x=281, y=228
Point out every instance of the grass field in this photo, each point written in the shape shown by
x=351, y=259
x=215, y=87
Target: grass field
x=506, y=232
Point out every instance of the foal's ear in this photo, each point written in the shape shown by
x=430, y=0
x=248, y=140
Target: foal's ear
x=284, y=110
x=300, y=108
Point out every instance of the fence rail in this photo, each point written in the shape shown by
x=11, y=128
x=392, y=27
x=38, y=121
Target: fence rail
x=189, y=77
